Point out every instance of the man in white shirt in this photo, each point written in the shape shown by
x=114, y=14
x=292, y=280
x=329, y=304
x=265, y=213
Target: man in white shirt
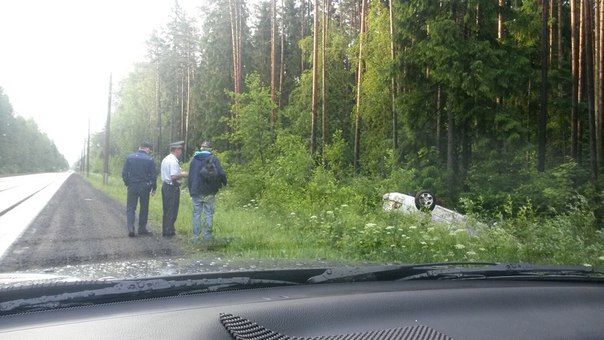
x=171, y=175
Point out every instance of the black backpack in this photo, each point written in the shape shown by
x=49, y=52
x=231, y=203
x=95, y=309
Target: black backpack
x=208, y=174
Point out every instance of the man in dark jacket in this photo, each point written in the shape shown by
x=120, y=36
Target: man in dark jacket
x=139, y=176
x=206, y=177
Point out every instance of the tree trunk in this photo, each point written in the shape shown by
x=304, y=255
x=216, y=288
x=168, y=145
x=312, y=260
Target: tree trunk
x=234, y=20
x=315, y=75
x=107, y=136
x=500, y=19
x=589, y=77
x=575, y=76
x=273, y=60
x=439, y=96
x=542, y=123
x=450, y=150
x=559, y=35
x=239, y=45
x=599, y=92
x=323, y=73
x=158, y=102
x=595, y=25
x=187, y=109
x=282, y=56
x=302, y=19
x=551, y=32
x=393, y=82
x=581, y=49
x=357, y=131
x=181, y=132
x=466, y=152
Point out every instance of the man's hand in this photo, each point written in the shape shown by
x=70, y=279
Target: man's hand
x=184, y=174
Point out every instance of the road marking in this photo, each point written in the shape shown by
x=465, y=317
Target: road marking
x=15, y=221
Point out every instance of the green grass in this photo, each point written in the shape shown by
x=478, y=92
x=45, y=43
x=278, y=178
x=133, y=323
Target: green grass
x=346, y=234
x=249, y=231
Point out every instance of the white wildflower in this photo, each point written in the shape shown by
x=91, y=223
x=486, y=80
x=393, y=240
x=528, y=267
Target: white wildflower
x=460, y=246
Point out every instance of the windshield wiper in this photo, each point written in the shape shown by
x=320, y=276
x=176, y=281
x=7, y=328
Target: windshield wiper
x=454, y=270
x=511, y=271
x=134, y=289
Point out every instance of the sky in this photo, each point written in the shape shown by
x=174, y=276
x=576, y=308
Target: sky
x=56, y=57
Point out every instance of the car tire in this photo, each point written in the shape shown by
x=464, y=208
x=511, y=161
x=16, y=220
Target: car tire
x=424, y=200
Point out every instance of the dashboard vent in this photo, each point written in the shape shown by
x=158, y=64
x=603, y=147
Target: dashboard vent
x=244, y=329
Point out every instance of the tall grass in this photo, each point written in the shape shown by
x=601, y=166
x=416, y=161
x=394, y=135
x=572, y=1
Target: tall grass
x=351, y=232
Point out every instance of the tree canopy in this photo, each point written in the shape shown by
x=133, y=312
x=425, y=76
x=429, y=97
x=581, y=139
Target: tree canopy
x=461, y=95
x=23, y=148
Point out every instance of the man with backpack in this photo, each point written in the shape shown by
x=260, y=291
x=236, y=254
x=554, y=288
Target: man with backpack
x=206, y=177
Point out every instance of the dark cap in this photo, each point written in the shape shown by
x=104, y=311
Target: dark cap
x=206, y=145
x=146, y=145
x=177, y=145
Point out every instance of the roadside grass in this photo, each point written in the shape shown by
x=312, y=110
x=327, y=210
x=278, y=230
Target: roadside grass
x=243, y=232
x=346, y=234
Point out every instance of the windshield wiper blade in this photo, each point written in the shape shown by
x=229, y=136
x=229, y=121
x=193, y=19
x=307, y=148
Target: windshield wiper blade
x=383, y=272
x=509, y=270
x=127, y=289
x=454, y=270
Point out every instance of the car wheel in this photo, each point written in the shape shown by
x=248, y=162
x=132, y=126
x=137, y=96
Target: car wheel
x=424, y=200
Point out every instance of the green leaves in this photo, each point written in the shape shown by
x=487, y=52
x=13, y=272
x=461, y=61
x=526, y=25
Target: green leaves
x=23, y=147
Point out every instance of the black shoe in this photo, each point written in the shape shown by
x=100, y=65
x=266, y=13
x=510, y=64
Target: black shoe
x=145, y=232
x=168, y=234
x=131, y=234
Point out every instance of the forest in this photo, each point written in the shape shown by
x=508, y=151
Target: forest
x=23, y=147
x=494, y=106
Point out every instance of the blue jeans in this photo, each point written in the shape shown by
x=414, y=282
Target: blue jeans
x=203, y=204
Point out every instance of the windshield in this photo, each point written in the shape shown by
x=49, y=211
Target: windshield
x=145, y=139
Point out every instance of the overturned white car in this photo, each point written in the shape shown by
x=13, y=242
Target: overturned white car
x=423, y=201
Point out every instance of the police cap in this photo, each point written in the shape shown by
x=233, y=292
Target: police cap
x=177, y=145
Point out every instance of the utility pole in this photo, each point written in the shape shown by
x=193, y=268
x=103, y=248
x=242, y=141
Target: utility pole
x=88, y=151
x=107, y=137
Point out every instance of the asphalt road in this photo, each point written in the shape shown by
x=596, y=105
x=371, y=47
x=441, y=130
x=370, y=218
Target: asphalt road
x=81, y=225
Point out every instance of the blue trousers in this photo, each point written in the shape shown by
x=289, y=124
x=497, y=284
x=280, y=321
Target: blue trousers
x=137, y=192
x=203, y=204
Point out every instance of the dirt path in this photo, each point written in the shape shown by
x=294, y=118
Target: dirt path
x=82, y=225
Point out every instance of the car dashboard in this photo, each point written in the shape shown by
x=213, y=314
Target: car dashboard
x=436, y=309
